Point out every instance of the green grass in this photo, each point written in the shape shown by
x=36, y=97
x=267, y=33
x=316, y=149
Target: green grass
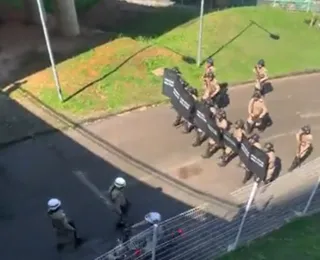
x=296, y=241
x=133, y=83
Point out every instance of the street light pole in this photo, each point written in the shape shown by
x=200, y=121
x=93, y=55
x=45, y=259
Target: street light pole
x=200, y=34
x=46, y=36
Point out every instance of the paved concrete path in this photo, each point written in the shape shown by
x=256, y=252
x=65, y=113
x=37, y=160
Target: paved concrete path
x=79, y=165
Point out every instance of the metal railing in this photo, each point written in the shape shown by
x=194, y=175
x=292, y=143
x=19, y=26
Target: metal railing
x=199, y=235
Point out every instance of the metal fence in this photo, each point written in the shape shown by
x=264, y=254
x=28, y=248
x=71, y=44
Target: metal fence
x=199, y=235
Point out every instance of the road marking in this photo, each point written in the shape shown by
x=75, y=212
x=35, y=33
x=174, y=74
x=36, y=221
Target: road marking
x=310, y=115
x=82, y=178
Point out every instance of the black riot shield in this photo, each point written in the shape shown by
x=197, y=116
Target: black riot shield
x=258, y=162
x=230, y=141
x=183, y=103
x=213, y=130
x=245, y=151
x=201, y=116
x=170, y=80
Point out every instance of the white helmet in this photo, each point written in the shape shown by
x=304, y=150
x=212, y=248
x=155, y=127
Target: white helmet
x=120, y=182
x=53, y=204
x=153, y=217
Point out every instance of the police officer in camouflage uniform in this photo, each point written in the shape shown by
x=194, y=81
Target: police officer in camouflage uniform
x=64, y=228
x=119, y=201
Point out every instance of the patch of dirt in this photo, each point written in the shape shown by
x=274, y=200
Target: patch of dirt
x=189, y=171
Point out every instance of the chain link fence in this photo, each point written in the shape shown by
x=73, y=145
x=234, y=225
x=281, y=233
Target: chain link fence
x=199, y=235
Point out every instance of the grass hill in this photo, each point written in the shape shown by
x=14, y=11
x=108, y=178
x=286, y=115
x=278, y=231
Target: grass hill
x=119, y=74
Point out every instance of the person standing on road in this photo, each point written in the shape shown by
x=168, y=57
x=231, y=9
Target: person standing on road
x=223, y=124
x=64, y=228
x=304, y=146
x=257, y=110
x=238, y=132
x=119, y=201
x=261, y=76
x=269, y=149
x=254, y=141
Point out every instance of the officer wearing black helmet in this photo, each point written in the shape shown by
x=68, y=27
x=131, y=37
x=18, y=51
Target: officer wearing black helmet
x=193, y=91
x=261, y=75
x=223, y=124
x=268, y=148
x=254, y=141
x=209, y=67
x=257, y=111
x=238, y=132
x=304, y=146
x=211, y=87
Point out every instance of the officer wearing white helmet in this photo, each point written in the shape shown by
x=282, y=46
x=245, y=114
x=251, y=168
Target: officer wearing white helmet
x=64, y=228
x=153, y=218
x=119, y=201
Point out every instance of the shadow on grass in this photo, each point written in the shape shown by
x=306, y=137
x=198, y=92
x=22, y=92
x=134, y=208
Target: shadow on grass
x=271, y=35
x=106, y=75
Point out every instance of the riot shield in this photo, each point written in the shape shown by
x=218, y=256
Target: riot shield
x=201, y=116
x=230, y=141
x=214, y=131
x=245, y=151
x=258, y=162
x=183, y=103
x=170, y=80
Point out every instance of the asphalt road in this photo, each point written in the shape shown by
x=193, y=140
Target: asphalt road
x=79, y=165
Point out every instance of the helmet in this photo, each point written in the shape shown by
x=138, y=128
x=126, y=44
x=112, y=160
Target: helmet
x=176, y=70
x=306, y=129
x=210, y=61
x=193, y=91
x=120, y=182
x=53, y=204
x=153, y=217
x=255, y=138
x=221, y=114
x=239, y=123
x=256, y=94
x=210, y=75
x=268, y=147
x=261, y=62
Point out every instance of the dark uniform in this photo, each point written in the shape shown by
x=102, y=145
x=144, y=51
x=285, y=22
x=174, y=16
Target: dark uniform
x=304, y=146
x=238, y=133
x=223, y=124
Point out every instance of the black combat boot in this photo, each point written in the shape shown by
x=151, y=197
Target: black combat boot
x=295, y=164
x=177, y=121
x=249, y=128
x=209, y=151
x=248, y=176
x=187, y=128
x=224, y=159
x=197, y=142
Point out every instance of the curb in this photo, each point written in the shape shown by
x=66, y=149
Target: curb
x=75, y=125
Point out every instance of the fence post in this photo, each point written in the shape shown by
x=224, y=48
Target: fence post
x=248, y=206
x=309, y=6
x=154, y=241
x=314, y=190
x=200, y=34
